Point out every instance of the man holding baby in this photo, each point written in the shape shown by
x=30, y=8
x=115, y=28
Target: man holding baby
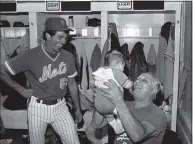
x=138, y=121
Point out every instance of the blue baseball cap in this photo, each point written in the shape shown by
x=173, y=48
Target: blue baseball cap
x=56, y=23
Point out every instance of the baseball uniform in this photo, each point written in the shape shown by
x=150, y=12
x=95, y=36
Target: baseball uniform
x=48, y=78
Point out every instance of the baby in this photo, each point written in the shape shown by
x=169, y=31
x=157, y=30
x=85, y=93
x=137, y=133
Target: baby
x=114, y=66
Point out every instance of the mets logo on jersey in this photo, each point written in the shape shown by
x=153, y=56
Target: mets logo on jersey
x=63, y=83
x=48, y=73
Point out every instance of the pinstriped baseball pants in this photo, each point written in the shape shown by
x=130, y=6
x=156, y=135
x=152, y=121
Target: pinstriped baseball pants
x=39, y=115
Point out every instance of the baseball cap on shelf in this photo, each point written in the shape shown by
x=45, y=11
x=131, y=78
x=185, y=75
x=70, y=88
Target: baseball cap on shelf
x=56, y=23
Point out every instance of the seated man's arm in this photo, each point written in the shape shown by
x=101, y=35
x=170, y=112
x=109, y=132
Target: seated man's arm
x=135, y=129
x=115, y=124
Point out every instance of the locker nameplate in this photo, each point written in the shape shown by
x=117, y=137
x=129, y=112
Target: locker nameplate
x=53, y=6
x=124, y=5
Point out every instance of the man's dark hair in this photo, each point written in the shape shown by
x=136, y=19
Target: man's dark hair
x=51, y=33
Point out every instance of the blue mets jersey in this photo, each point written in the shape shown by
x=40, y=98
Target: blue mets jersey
x=47, y=76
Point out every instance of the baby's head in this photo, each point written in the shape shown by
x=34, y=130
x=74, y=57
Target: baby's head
x=115, y=59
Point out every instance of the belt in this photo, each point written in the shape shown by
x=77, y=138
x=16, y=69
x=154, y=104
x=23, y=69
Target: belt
x=49, y=102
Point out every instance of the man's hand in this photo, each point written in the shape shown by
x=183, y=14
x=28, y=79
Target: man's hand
x=113, y=93
x=93, y=88
x=78, y=116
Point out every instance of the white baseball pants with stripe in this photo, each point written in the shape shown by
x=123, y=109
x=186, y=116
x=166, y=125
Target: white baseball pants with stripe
x=39, y=115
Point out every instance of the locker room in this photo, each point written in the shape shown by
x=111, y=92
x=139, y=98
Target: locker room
x=153, y=37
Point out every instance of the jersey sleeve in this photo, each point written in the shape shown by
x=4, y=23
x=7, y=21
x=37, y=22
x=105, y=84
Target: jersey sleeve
x=120, y=77
x=72, y=72
x=17, y=64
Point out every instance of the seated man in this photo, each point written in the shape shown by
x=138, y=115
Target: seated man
x=141, y=120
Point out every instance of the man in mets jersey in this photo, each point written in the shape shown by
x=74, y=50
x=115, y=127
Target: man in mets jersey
x=49, y=70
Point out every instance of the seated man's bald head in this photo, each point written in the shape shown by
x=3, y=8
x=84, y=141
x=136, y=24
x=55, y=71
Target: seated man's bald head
x=146, y=87
x=156, y=85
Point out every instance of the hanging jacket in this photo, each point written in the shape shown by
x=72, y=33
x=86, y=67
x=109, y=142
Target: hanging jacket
x=168, y=69
x=165, y=29
x=95, y=58
x=138, y=64
x=104, y=51
x=151, y=59
x=115, y=45
x=84, y=70
x=112, y=29
x=160, y=58
x=9, y=45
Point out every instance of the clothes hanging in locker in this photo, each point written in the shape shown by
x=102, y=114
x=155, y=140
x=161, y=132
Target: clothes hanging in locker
x=84, y=70
x=138, y=63
x=163, y=42
x=115, y=45
x=9, y=45
x=165, y=30
x=107, y=46
x=151, y=59
x=168, y=69
x=95, y=58
x=114, y=41
x=113, y=29
x=160, y=58
x=104, y=51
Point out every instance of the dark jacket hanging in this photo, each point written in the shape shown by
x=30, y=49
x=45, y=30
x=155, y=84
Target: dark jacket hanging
x=138, y=63
x=95, y=58
x=114, y=42
x=112, y=29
